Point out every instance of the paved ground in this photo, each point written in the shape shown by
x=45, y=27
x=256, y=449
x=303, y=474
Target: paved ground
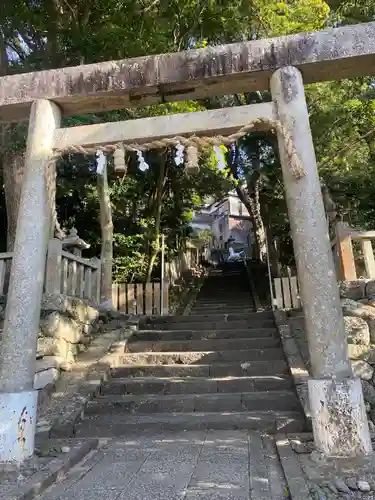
x=192, y=465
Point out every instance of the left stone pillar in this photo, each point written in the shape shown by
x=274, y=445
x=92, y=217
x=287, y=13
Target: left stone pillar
x=18, y=400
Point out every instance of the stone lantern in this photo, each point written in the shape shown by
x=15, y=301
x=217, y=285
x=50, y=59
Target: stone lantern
x=74, y=244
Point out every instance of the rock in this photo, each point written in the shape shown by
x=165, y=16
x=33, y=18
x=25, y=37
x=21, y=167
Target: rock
x=370, y=289
x=351, y=482
x=82, y=311
x=371, y=326
x=340, y=485
x=302, y=447
x=363, y=311
x=362, y=369
x=79, y=309
x=317, y=457
x=349, y=306
x=368, y=392
x=362, y=352
x=363, y=486
x=330, y=487
x=60, y=326
x=45, y=377
x=354, y=290
x=47, y=450
x=357, y=330
x=317, y=493
x=45, y=347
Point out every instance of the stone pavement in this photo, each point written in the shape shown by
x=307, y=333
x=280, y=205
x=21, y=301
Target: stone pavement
x=191, y=465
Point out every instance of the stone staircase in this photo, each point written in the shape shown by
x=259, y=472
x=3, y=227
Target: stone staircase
x=221, y=367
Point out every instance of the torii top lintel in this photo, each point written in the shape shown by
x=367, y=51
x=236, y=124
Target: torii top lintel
x=331, y=54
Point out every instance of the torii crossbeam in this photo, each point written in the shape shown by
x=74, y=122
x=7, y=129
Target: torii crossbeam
x=332, y=54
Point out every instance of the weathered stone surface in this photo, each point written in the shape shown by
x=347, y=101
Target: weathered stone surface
x=354, y=290
x=302, y=447
x=371, y=326
x=46, y=346
x=357, y=330
x=362, y=370
x=340, y=485
x=79, y=309
x=61, y=327
x=317, y=493
x=337, y=53
x=362, y=352
x=358, y=310
x=368, y=392
x=352, y=483
x=363, y=486
x=349, y=306
x=370, y=289
x=46, y=377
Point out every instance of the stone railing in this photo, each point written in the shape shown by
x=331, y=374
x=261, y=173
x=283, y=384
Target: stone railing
x=5, y=262
x=342, y=248
x=66, y=273
x=286, y=293
x=71, y=274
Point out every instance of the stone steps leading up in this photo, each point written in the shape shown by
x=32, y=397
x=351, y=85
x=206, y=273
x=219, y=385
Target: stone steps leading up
x=205, y=345
x=207, y=324
x=167, y=335
x=220, y=368
x=208, y=402
x=216, y=309
x=201, y=357
x=224, y=317
x=272, y=422
x=234, y=369
x=196, y=385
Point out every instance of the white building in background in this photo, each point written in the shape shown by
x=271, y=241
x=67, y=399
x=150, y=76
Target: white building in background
x=228, y=220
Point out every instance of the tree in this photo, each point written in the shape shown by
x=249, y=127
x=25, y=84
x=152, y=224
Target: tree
x=48, y=34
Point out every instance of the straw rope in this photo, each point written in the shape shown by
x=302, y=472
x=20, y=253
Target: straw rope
x=190, y=143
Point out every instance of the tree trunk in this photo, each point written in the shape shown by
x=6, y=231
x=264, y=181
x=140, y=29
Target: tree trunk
x=107, y=239
x=258, y=226
x=13, y=171
x=272, y=250
x=250, y=198
x=155, y=243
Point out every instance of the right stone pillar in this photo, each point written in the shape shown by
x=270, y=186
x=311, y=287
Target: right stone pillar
x=339, y=418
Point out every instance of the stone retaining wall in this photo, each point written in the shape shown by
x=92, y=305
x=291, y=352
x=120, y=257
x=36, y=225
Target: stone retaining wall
x=358, y=305
x=67, y=327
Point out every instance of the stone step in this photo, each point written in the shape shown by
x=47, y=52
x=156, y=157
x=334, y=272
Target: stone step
x=216, y=317
x=201, y=357
x=234, y=369
x=202, y=345
x=274, y=422
x=235, y=296
x=196, y=385
x=230, y=310
x=246, y=308
x=219, y=402
x=155, y=335
x=185, y=324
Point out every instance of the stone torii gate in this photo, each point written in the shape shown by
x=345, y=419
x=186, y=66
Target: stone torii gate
x=281, y=64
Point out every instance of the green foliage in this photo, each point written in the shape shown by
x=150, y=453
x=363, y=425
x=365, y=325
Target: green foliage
x=45, y=34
